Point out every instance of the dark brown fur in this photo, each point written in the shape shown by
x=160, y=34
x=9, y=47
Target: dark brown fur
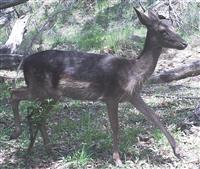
x=86, y=76
x=49, y=70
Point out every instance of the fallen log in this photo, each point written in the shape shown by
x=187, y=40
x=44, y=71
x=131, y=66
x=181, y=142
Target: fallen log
x=10, y=61
x=182, y=72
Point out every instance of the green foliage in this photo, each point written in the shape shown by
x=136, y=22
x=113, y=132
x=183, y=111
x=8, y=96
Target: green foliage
x=90, y=132
x=4, y=99
x=40, y=112
x=75, y=104
x=84, y=130
x=4, y=91
x=78, y=159
x=27, y=42
x=116, y=38
x=102, y=19
x=91, y=37
x=157, y=135
x=67, y=125
x=58, y=40
x=129, y=138
x=89, y=25
x=75, y=29
x=102, y=4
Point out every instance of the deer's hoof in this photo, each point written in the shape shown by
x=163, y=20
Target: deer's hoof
x=15, y=134
x=178, y=153
x=117, y=159
x=118, y=163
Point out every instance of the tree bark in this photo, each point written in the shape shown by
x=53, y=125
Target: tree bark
x=16, y=36
x=182, y=72
x=9, y=3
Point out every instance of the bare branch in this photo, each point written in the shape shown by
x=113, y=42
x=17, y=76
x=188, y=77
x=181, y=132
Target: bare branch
x=9, y=3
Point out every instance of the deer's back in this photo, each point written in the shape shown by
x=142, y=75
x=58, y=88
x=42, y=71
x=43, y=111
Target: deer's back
x=73, y=74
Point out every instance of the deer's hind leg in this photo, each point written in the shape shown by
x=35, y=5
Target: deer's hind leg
x=18, y=95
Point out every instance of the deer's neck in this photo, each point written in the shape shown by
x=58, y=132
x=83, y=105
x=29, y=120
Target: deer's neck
x=145, y=65
x=148, y=58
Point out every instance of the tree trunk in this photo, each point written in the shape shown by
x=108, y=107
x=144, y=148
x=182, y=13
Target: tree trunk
x=9, y=60
x=9, y=3
x=16, y=36
x=182, y=72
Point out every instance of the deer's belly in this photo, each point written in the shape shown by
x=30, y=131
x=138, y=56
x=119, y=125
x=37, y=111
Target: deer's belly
x=79, y=90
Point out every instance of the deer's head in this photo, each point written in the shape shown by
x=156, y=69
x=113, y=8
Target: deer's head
x=165, y=36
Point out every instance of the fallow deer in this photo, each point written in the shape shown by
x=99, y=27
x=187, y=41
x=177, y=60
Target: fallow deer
x=87, y=76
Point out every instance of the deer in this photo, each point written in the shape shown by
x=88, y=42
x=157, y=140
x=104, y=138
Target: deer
x=88, y=76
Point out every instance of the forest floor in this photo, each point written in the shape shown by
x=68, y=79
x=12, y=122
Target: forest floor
x=80, y=133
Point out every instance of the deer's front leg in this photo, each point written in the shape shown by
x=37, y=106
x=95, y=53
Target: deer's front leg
x=113, y=118
x=138, y=102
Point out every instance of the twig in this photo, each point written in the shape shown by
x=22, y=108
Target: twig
x=174, y=13
x=170, y=8
x=17, y=13
x=18, y=68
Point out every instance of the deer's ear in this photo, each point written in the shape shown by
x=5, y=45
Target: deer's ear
x=154, y=17
x=143, y=18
